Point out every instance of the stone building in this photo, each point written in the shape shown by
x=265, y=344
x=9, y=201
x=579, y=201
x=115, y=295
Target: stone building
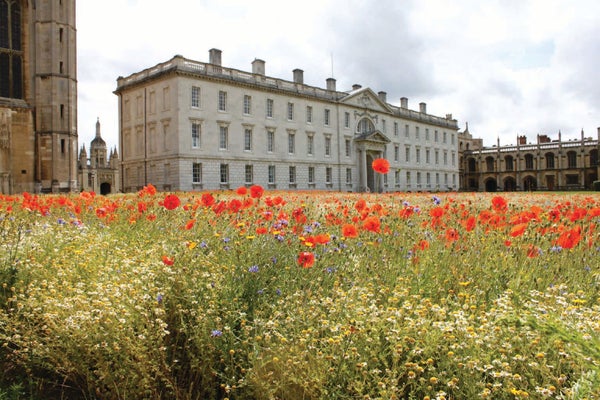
x=38, y=96
x=190, y=125
x=546, y=164
x=100, y=171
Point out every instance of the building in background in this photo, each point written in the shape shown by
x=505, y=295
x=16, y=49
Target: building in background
x=100, y=171
x=545, y=165
x=38, y=96
x=189, y=125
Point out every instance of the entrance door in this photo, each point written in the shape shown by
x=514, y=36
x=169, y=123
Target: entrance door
x=550, y=182
x=371, y=181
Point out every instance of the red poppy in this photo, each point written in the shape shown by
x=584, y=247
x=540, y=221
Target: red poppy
x=256, y=191
x=372, y=224
x=518, y=230
x=171, y=202
x=242, y=190
x=451, y=235
x=569, y=239
x=306, y=259
x=381, y=165
x=190, y=224
x=499, y=203
x=470, y=223
x=207, y=200
x=349, y=231
x=167, y=261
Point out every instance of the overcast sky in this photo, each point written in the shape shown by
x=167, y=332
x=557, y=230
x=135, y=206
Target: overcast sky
x=505, y=67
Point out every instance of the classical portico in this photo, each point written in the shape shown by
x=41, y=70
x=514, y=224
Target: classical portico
x=370, y=146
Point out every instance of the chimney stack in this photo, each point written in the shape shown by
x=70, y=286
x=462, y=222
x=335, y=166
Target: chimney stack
x=298, y=76
x=258, y=67
x=403, y=102
x=423, y=108
x=331, y=85
x=356, y=86
x=214, y=57
x=382, y=96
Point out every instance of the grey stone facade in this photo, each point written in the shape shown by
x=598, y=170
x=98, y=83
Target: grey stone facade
x=189, y=125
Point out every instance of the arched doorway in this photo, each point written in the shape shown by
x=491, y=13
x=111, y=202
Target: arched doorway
x=491, y=185
x=510, y=184
x=529, y=183
x=104, y=188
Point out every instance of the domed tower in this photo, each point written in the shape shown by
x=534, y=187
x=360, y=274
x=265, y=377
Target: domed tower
x=98, y=149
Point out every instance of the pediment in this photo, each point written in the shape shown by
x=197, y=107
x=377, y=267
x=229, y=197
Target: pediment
x=375, y=136
x=366, y=98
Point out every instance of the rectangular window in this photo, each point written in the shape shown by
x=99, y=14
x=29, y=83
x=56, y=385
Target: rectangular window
x=310, y=145
x=348, y=147
x=197, y=173
x=407, y=154
x=290, y=111
x=247, y=139
x=437, y=157
x=418, y=178
x=222, y=100
x=271, y=174
x=269, y=108
x=408, y=178
x=396, y=129
x=166, y=98
x=418, y=155
x=327, y=146
x=445, y=140
x=328, y=175
x=453, y=159
x=270, y=141
x=292, y=170
x=311, y=174
x=435, y=136
x=223, y=139
x=396, y=153
x=445, y=158
x=346, y=120
x=248, y=174
x=427, y=156
x=406, y=131
x=397, y=177
x=291, y=143
x=247, y=105
x=195, y=96
x=195, y=135
x=327, y=116
x=309, y=114
x=437, y=178
x=427, y=134
x=224, y=173
x=428, y=179
x=452, y=138
x=349, y=176
x=383, y=126
x=417, y=135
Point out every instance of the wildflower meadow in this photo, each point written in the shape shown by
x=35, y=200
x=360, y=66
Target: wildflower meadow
x=254, y=294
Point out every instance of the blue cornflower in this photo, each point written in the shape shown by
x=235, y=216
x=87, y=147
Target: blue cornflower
x=436, y=200
x=253, y=269
x=159, y=298
x=216, y=333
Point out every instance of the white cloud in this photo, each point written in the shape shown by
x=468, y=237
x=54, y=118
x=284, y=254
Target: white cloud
x=508, y=67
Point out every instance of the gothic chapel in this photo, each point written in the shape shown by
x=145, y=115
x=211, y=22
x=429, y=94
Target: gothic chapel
x=38, y=96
